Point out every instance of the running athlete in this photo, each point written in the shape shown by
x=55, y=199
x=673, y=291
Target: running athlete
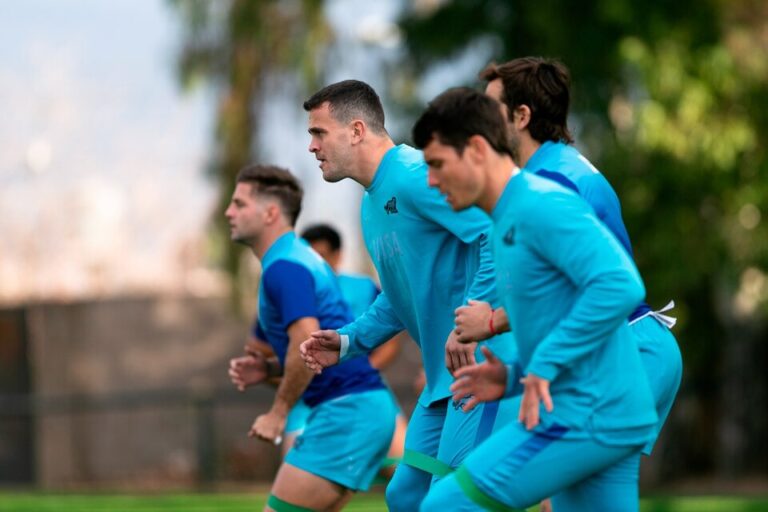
x=299, y=294
x=430, y=260
x=567, y=286
x=534, y=94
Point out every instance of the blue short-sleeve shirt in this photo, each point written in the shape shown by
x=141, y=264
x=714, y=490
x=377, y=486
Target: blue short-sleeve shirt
x=296, y=283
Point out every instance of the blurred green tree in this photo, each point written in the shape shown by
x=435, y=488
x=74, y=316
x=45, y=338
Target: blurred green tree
x=233, y=46
x=670, y=100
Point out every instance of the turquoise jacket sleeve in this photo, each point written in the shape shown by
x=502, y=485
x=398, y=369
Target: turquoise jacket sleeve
x=514, y=374
x=473, y=227
x=509, y=356
x=371, y=329
x=609, y=287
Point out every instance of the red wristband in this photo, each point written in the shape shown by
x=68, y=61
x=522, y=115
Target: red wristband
x=490, y=324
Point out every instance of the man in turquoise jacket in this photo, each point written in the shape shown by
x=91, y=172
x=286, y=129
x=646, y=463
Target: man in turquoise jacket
x=567, y=285
x=430, y=261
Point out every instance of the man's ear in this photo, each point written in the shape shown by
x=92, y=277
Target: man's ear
x=521, y=117
x=273, y=212
x=359, y=130
x=477, y=148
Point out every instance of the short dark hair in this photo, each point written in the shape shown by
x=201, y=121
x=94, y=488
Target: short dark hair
x=458, y=114
x=276, y=182
x=541, y=84
x=322, y=232
x=348, y=100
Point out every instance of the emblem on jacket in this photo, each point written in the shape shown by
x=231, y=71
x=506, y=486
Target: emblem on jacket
x=391, y=206
x=509, y=236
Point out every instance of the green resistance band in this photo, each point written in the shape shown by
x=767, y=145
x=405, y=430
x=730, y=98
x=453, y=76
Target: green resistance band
x=279, y=505
x=389, y=461
x=475, y=494
x=426, y=463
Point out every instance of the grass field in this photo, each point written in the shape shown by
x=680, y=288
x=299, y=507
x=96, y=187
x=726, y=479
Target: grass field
x=374, y=502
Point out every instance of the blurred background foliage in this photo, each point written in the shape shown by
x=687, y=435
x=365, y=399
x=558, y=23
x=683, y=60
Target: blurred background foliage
x=233, y=46
x=670, y=101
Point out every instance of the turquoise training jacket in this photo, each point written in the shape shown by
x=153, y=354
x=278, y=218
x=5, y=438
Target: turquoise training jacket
x=568, y=285
x=564, y=164
x=430, y=260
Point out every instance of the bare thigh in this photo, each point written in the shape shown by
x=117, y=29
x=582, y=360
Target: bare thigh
x=303, y=489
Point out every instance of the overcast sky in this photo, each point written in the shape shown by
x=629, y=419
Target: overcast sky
x=102, y=156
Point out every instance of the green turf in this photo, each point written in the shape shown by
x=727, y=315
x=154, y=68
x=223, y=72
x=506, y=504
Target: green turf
x=374, y=502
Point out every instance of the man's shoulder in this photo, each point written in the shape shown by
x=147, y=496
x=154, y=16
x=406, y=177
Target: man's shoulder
x=285, y=268
x=538, y=184
x=543, y=197
x=407, y=156
x=578, y=167
x=565, y=159
x=407, y=165
x=405, y=182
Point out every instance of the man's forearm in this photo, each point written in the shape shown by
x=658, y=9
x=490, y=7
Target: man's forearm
x=296, y=378
x=274, y=368
x=274, y=371
x=499, y=321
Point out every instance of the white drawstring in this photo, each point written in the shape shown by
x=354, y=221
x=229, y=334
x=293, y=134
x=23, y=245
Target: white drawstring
x=667, y=320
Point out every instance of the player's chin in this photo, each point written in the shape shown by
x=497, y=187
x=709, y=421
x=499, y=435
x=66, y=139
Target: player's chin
x=238, y=238
x=332, y=177
x=457, y=203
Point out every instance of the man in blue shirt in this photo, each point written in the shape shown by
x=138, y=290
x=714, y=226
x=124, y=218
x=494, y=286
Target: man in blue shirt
x=430, y=260
x=534, y=94
x=359, y=292
x=567, y=286
x=299, y=294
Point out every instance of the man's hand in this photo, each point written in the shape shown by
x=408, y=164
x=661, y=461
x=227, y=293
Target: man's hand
x=536, y=391
x=247, y=370
x=473, y=321
x=483, y=382
x=321, y=350
x=269, y=427
x=458, y=355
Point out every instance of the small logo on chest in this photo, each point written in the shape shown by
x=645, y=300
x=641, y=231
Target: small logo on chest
x=459, y=404
x=391, y=206
x=509, y=236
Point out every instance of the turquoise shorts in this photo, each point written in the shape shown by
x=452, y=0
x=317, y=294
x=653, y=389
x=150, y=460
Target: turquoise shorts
x=297, y=418
x=345, y=439
x=515, y=468
x=663, y=366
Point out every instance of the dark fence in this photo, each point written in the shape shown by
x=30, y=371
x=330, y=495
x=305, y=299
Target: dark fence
x=212, y=445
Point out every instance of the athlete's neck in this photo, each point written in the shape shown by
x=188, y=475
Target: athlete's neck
x=528, y=146
x=267, y=239
x=370, y=159
x=498, y=177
